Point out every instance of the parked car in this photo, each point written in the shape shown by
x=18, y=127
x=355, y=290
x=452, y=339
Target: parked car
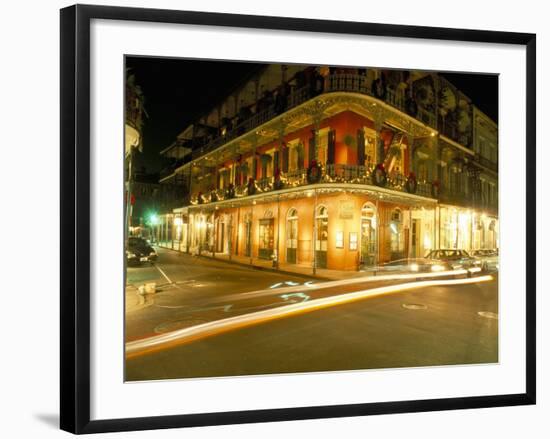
x=456, y=258
x=139, y=250
x=489, y=258
x=413, y=265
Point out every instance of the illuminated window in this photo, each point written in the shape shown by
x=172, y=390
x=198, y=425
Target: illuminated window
x=370, y=146
x=321, y=241
x=293, y=154
x=291, y=235
x=292, y=229
x=322, y=146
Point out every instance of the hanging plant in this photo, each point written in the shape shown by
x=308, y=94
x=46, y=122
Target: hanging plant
x=349, y=140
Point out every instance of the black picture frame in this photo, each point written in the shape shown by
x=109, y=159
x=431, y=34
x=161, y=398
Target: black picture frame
x=75, y=217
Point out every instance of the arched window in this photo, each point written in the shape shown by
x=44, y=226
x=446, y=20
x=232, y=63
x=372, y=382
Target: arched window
x=291, y=235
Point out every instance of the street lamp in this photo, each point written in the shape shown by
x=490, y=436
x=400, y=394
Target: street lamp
x=152, y=220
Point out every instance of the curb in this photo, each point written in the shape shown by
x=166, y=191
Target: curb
x=272, y=270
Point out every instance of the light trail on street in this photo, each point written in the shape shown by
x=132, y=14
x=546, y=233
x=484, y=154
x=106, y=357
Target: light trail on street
x=187, y=335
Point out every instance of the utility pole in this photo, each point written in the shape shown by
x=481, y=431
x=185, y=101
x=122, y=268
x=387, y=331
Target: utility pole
x=129, y=197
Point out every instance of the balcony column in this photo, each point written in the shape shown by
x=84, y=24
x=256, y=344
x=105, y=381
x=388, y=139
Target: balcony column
x=410, y=152
x=203, y=172
x=316, y=114
x=378, y=122
x=217, y=174
x=281, y=132
x=234, y=176
x=254, y=170
x=434, y=141
x=316, y=126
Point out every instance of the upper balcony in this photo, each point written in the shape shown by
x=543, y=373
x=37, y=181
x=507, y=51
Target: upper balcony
x=265, y=110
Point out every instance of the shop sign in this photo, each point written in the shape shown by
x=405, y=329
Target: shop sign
x=346, y=209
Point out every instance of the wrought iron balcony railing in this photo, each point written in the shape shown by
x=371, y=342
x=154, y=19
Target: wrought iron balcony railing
x=332, y=173
x=339, y=82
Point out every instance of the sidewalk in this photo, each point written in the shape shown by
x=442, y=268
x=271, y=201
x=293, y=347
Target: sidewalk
x=305, y=270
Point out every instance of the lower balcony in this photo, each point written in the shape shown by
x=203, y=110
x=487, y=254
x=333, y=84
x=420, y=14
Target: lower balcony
x=333, y=173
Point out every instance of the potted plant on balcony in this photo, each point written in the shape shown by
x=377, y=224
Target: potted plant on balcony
x=230, y=191
x=314, y=172
x=213, y=195
x=251, y=186
x=277, y=182
x=411, y=184
x=435, y=189
x=379, y=175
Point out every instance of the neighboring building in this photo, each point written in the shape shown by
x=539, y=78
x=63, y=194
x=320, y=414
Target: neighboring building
x=337, y=168
x=146, y=197
x=134, y=113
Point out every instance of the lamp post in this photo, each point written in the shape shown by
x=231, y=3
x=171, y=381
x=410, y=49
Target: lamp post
x=128, y=196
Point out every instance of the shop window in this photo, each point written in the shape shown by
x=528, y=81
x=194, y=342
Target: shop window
x=293, y=155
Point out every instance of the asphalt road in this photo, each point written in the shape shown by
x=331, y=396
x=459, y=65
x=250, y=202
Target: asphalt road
x=438, y=325
x=197, y=292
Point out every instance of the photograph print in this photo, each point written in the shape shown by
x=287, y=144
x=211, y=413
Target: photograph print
x=286, y=218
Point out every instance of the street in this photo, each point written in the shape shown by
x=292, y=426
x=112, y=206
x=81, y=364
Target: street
x=222, y=319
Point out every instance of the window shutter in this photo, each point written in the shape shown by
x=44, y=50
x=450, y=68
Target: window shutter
x=301, y=164
x=285, y=158
x=276, y=162
x=237, y=175
x=360, y=147
x=311, y=152
x=331, y=147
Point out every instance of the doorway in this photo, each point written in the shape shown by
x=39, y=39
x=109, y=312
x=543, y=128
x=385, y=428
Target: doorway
x=368, y=235
x=266, y=242
x=291, y=236
x=321, y=238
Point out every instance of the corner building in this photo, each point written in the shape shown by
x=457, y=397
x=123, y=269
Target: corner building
x=336, y=168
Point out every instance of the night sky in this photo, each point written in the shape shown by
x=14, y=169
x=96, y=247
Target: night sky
x=178, y=91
